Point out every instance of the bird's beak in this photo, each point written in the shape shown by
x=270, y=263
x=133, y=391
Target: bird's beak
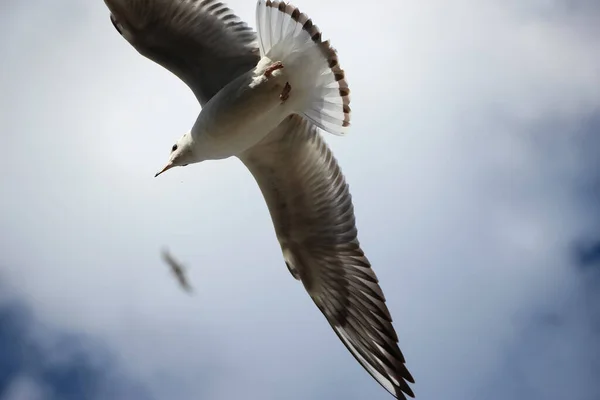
x=168, y=166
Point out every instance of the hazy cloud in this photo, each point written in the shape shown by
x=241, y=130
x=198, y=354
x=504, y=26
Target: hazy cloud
x=473, y=172
x=40, y=363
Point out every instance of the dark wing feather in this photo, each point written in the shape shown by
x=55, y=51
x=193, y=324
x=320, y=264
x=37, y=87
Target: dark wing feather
x=312, y=211
x=200, y=41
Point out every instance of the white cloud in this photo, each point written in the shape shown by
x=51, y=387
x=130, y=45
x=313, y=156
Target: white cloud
x=464, y=204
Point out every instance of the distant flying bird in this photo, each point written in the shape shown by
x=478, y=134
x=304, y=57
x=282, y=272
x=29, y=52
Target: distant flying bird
x=264, y=97
x=178, y=270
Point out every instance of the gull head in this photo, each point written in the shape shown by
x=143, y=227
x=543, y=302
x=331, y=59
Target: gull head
x=182, y=153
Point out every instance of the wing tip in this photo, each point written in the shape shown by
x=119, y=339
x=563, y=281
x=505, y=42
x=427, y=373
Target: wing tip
x=395, y=383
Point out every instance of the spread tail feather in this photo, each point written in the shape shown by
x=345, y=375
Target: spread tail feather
x=285, y=34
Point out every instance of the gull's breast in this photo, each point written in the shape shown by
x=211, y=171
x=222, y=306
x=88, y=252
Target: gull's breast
x=240, y=115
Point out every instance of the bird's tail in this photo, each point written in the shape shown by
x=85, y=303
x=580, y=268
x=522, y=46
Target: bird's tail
x=285, y=34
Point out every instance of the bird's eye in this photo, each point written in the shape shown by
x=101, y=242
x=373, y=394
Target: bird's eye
x=174, y=147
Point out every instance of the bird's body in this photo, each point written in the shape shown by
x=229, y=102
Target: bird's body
x=296, y=74
x=240, y=115
x=178, y=270
x=268, y=116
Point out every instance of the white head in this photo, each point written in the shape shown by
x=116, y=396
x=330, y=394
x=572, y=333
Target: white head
x=182, y=153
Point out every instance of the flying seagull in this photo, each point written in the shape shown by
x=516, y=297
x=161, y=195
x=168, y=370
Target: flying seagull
x=178, y=270
x=264, y=97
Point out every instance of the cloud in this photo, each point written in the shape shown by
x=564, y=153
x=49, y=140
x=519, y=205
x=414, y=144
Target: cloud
x=554, y=352
x=588, y=255
x=40, y=363
x=472, y=163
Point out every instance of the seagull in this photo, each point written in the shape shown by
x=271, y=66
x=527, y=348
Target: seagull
x=264, y=98
x=178, y=270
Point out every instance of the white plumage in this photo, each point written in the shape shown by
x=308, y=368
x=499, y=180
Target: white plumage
x=267, y=115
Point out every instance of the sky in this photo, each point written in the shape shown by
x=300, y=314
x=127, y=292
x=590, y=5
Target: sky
x=472, y=161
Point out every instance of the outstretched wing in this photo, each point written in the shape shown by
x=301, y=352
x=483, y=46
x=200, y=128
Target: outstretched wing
x=201, y=41
x=312, y=211
x=178, y=270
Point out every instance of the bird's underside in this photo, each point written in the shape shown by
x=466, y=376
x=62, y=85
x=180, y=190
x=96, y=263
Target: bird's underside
x=207, y=46
x=285, y=93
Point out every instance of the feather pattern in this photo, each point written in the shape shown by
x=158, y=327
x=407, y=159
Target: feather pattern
x=207, y=46
x=201, y=41
x=311, y=208
x=283, y=24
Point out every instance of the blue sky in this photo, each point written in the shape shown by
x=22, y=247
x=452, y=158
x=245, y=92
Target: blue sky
x=39, y=362
x=473, y=166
